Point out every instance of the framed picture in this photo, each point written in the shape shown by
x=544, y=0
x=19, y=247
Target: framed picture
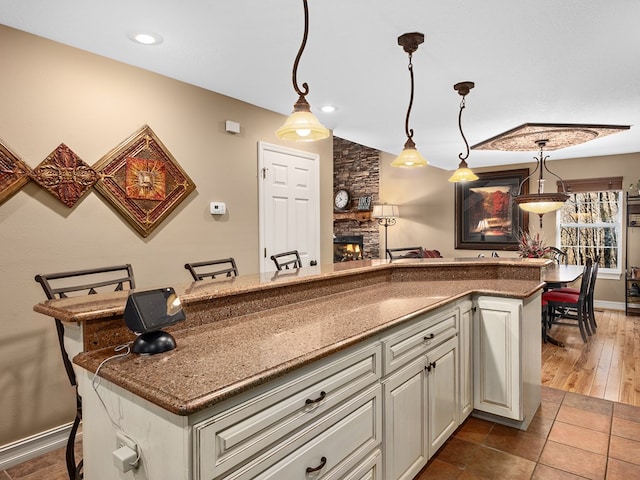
x=487, y=218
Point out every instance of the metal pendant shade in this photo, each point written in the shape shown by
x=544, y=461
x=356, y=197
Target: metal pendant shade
x=541, y=202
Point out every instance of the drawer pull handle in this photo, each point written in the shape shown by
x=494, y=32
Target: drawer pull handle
x=430, y=337
x=323, y=462
x=308, y=401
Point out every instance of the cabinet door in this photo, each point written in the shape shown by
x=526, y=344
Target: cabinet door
x=497, y=357
x=465, y=352
x=442, y=385
x=405, y=421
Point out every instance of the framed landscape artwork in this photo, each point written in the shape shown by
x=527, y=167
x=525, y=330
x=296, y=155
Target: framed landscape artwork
x=487, y=218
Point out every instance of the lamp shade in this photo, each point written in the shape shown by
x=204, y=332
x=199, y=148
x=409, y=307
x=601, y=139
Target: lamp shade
x=303, y=127
x=385, y=211
x=541, y=203
x=463, y=175
x=409, y=157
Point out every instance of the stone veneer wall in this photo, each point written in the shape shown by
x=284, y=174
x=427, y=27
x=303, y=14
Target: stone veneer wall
x=356, y=168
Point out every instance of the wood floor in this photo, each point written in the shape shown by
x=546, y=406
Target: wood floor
x=607, y=366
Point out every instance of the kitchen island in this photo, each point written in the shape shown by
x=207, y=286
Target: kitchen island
x=338, y=339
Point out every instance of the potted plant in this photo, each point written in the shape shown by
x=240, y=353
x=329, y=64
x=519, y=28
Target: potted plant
x=531, y=246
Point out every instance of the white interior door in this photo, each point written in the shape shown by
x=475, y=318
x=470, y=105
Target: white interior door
x=289, y=185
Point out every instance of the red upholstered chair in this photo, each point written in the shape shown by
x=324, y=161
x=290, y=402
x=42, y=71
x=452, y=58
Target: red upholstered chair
x=557, y=304
x=590, y=293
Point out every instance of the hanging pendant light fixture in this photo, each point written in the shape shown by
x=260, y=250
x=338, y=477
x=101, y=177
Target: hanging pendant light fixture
x=410, y=156
x=541, y=202
x=463, y=173
x=302, y=125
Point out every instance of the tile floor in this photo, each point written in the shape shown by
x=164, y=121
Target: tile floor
x=572, y=437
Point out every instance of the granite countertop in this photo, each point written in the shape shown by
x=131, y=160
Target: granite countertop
x=215, y=361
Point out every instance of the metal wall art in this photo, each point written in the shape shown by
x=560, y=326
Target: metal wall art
x=64, y=175
x=14, y=173
x=142, y=180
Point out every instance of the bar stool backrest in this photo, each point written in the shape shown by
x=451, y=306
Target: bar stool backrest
x=287, y=260
x=223, y=266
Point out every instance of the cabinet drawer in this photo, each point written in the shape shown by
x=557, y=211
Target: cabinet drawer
x=241, y=432
x=408, y=343
x=369, y=469
x=340, y=447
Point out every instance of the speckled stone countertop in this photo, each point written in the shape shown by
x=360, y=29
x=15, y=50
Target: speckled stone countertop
x=245, y=331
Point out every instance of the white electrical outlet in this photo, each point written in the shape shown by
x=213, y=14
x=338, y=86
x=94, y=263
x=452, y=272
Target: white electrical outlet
x=126, y=455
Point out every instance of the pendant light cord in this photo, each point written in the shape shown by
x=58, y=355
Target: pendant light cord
x=305, y=87
x=462, y=106
x=407, y=130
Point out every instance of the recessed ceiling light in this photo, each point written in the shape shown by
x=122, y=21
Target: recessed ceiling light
x=328, y=109
x=146, y=38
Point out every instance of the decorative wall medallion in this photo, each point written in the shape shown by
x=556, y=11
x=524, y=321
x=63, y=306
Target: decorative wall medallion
x=145, y=179
x=14, y=173
x=64, y=175
x=142, y=180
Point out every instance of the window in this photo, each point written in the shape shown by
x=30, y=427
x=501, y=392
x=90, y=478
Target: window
x=589, y=224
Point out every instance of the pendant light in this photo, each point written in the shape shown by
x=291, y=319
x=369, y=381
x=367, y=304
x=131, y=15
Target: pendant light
x=541, y=202
x=302, y=125
x=410, y=156
x=463, y=173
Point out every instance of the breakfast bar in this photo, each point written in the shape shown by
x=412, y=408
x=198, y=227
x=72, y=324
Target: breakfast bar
x=271, y=370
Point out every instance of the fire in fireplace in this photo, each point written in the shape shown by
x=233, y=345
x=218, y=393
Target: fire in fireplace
x=348, y=247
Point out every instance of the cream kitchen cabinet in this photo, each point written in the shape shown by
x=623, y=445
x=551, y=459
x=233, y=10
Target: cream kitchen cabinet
x=507, y=359
x=377, y=410
x=420, y=397
x=465, y=336
x=331, y=409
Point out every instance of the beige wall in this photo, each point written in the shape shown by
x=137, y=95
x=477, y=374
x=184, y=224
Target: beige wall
x=52, y=94
x=426, y=201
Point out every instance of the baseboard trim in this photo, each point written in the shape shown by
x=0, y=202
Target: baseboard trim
x=609, y=305
x=31, y=447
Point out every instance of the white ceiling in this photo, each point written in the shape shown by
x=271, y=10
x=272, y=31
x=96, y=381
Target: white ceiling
x=543, y=61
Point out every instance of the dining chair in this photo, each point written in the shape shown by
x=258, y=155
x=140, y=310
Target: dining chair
x=558, y=256
x=223, y=266
x=558, y=304
x=285, y=260
x=75, y=283
x=590, y=293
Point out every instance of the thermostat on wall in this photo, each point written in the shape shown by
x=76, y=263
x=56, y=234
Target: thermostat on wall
x=217, y=208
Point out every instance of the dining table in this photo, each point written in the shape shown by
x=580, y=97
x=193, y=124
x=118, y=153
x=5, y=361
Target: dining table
x=557, y=276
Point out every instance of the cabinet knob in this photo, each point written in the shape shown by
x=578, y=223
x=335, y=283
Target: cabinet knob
x=323, y=462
